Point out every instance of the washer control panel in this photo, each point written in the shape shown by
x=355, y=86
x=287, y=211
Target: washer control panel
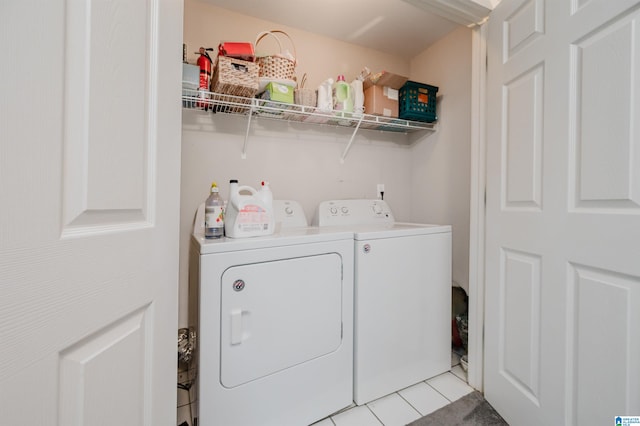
x=353, y=212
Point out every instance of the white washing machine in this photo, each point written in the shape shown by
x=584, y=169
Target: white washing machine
x=275, y=324
x=402, y=296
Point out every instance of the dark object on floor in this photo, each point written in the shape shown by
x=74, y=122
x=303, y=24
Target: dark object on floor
x=456, y=341
x=459, y=307
x=462, y=325
x=470, y=410
x=459, y=302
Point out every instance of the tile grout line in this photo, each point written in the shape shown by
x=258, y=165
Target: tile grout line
x=374, y=414
x=411, y=405
x=404, y=399
x=433, y=387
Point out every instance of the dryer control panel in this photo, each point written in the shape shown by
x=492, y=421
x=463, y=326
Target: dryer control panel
x=289, y=214
x=353, y=212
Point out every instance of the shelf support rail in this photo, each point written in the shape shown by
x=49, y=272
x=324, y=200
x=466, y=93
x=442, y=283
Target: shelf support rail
x=353, y=136
x=243, y=155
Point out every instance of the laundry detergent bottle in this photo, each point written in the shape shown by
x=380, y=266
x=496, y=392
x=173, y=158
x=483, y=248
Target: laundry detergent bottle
x=342, y=95
x=247, y=214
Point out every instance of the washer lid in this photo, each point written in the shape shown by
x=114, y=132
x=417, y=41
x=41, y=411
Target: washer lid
x=398, y=229
x=284, y=237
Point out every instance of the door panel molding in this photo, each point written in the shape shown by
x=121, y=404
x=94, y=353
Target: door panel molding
x=523, y=27
x=604, y=157
x=522, y=140
x=602, y=301
x=109, y=150
x=87, y=375
x=520, y=294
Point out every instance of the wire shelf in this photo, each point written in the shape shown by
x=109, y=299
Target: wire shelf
x=229, y=104
x=220, y=103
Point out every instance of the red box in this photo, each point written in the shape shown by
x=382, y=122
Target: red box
x=238, y=50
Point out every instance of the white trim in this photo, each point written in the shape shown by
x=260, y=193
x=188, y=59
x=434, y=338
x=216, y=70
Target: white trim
x=465, y=12
x=477, y=208
x=489, y=4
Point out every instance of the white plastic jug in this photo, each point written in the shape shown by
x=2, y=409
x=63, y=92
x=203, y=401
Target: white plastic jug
x=358, y=96
x=325, y=97
x=247, y=215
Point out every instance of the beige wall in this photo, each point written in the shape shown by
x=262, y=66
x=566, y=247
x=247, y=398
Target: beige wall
x=440, y=168
x=320, y=57
x=302, y=161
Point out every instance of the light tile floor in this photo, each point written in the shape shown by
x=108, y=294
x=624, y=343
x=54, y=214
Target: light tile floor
x=397, y=409
x=408, y=404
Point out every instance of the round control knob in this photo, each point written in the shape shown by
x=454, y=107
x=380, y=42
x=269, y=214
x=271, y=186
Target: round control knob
x=344, y=210
x=333, y=210
x=288, y=210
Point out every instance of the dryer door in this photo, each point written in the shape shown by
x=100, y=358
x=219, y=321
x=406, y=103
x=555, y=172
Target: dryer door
x=278, y=314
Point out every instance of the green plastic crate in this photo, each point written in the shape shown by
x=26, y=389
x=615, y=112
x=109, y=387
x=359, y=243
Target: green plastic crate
x=417, y=101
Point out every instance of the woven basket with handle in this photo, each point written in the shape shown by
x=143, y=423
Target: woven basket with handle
x=304, y=96
x=276, y=66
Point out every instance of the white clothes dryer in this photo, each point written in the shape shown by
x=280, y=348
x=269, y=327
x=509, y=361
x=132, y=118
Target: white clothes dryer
x=402, y=280
x=275, y=325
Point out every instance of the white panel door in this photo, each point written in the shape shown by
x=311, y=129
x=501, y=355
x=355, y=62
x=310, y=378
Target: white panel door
x=562, y=337
x=89, y=195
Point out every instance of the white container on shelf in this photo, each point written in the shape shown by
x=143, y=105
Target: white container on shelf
x=247, y=215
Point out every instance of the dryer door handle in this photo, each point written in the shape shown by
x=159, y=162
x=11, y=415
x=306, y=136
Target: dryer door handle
x=236, y=326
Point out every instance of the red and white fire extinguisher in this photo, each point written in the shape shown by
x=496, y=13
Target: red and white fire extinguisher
x=205, y=64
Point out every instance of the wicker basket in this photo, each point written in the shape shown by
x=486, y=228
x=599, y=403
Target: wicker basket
x=235, y=77
x=305, y=97
x=275, y=66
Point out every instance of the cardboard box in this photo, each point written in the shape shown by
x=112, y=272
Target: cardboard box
x=274, y=95
x=278, y=92
x=381, y=100
x=384, y=78
x=381, y=93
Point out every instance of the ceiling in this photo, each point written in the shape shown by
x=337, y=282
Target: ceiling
x=391, y=26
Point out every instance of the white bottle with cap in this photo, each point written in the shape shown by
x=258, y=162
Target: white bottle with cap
x=358, y=96
x=214, y=214
x=266, y=195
